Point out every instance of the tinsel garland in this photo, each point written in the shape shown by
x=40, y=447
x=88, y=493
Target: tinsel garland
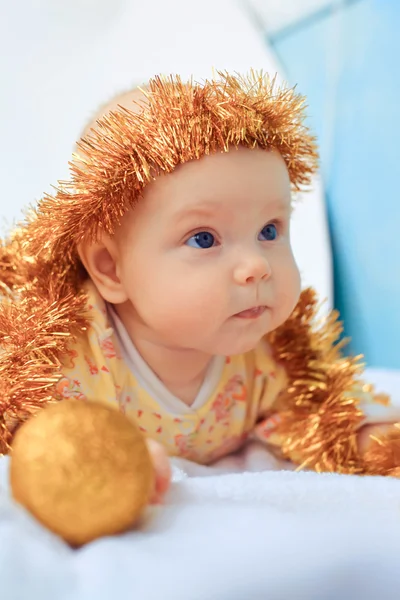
x=319, y=412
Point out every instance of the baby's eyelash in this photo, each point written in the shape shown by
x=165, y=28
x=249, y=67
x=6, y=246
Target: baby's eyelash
x=276, y=222
x=201, y=230
x=280, y=224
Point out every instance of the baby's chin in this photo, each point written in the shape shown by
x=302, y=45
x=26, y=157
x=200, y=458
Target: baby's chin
x=239, y=345
x=247, y=341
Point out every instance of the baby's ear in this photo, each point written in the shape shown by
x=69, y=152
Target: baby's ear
x=100, y=260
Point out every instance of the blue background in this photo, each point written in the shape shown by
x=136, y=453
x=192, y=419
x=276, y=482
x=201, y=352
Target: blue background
x=347, y=64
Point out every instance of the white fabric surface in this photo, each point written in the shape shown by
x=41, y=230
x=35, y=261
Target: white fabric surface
x=259, y=536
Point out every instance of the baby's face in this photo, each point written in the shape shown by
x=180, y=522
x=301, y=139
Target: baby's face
x=205, y=258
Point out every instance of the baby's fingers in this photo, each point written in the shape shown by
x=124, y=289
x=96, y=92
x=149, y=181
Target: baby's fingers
x=162, y=469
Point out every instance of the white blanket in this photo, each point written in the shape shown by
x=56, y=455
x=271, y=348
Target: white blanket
x=224, y=535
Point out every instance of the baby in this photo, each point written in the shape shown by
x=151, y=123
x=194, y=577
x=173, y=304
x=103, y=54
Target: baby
x=187, y=295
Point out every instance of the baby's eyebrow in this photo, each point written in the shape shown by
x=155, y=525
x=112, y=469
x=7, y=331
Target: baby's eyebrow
x=281, y=204
x=197, y=212
x=212, y=210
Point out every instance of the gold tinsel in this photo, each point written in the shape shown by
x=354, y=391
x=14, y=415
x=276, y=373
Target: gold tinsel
x=34, y=334
x=319, y=412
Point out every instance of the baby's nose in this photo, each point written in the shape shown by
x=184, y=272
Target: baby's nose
x=252, y=269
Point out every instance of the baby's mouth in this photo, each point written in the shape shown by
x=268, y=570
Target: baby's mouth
x=251, y=313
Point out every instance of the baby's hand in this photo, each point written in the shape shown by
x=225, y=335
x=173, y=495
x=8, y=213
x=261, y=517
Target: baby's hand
x=162, y=469
x=368, y=432
x=379, y=446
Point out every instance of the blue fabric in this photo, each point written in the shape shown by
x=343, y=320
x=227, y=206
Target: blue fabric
x=348, y=66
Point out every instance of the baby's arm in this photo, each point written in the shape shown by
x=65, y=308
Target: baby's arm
x=321, y=415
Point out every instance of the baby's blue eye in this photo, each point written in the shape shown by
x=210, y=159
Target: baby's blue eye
x=268, y=233
x=203, y=239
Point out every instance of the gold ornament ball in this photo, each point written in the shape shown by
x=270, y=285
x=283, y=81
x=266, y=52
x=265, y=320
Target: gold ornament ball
x=82, y=469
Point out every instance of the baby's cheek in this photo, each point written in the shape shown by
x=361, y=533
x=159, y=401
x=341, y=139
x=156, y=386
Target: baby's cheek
x=289, y=284
x=194, y=299
x=178, y=318
x=295, y=280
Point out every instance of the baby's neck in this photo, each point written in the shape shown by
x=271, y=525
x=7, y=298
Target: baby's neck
x=182, y=371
